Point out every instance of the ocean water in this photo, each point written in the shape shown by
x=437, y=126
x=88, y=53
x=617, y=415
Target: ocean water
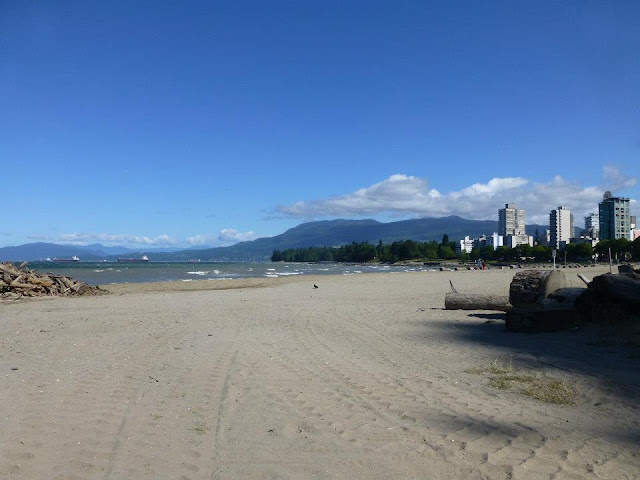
x=104, y=273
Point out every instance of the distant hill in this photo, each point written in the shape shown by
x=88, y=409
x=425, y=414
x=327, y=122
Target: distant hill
x=117, y=250
x=338, y=232
x=311, y=234
x=96, y=251
x=41, y=250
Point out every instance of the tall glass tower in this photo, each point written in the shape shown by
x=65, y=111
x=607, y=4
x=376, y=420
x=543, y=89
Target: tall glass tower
x=615, y=221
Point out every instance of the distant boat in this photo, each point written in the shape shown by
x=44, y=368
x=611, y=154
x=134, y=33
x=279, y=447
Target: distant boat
x=142, y=259
x=72, y=259
x=193, y=260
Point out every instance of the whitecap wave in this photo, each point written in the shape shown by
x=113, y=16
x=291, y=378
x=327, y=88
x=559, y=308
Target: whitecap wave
x=201, y=273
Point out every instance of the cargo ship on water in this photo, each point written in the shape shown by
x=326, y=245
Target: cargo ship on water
x=75, y=258
x=142, y=259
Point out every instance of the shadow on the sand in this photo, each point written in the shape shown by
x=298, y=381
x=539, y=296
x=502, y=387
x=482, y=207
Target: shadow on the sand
x=598, y=351
x=489, y=316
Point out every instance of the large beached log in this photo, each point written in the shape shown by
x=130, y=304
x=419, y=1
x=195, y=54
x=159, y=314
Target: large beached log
x=476, y=301
x=612, y=299
x=541, y=302
x=623, y=289
x=530, y=286
x=629, y=268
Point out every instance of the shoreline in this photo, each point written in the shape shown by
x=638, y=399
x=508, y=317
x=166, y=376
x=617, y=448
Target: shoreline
x=262, y=282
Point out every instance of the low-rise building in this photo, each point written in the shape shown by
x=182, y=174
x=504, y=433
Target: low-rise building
x=494, y=241
x=582, y=239
x=592, y=225
x=465, y=245
x=513, y=241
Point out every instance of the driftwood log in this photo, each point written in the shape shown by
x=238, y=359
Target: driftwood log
x=629, y=268
x=529, y=286
x=624, y=289
x=542, y=302
x=475, y=301
x=611, y=299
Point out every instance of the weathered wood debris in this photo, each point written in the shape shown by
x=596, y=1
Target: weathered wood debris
x=476, y=301
x=544, y=301
x=612, y=298
x=16, y=282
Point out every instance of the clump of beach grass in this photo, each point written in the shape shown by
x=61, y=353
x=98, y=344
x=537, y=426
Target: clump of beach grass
x=498, y=368
x=502, y=376
x=551, y=390
x=199, y=428
x=475, y=370
x=500, y=383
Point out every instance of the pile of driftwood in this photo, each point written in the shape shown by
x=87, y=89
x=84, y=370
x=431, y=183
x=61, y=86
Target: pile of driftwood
x=544, y=301
x=16, y=282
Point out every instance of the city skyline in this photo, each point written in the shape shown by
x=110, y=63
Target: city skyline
x=209, y=124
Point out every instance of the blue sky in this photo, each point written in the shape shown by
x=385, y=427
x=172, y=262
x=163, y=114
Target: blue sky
x=189, y=123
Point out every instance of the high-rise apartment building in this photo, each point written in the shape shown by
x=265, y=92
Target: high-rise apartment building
x=592, y=225
x=510, y=220
x=561, y=226
x=614, y=217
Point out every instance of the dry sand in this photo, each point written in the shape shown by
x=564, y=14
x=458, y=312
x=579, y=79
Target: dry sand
x=363, y=377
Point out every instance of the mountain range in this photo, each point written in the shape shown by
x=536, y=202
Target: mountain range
x=311, y=234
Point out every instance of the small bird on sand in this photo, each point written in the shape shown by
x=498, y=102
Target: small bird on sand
x=315, y=286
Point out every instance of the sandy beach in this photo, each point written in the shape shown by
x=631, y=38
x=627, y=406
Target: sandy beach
x=364, y=377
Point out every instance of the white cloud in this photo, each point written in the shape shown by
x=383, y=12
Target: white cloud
x=84, y=238
x=411, y=196
x=614, y=179
x=231, y=235
x=226, y=236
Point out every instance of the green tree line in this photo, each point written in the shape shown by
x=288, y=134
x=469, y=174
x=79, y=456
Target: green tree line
x=397, y=251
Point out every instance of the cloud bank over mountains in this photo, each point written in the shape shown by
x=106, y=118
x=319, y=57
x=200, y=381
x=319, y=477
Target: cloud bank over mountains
x=226, y=236
x=405, y=195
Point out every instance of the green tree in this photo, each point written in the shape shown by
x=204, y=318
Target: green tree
x=408, y=250
x=431, y=250
x=446, y=252
x=487, y=252
x=541, y=253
